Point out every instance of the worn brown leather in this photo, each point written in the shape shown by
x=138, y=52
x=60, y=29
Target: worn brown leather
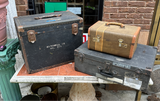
x=105, y=38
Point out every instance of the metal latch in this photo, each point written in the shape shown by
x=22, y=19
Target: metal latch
x=96, y=39
x=108, y=66
x=31, y=36
x=121, y=44
x=74, y=28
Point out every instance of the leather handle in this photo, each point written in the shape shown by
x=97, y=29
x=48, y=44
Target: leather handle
x=106, y=74
x=115, y=23
x=48, y=16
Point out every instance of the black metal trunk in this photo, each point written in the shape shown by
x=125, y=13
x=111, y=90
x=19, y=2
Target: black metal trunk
x=49, y=41
x=134, y=72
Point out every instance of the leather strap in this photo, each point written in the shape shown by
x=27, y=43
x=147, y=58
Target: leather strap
x=100, y=33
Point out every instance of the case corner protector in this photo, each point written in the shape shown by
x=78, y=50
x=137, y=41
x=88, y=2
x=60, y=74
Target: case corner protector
x=20, y=29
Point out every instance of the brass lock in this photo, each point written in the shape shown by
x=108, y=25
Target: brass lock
x=31, y=36
x=74, y=28
x=96, y=39
x=121, y=44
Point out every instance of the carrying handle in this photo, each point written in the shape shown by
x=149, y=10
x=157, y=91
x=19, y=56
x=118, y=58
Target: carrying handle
x=115, y=23
x=48, y=16
x=106, y=74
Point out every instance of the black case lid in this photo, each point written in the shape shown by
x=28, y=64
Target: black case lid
x=30, y=21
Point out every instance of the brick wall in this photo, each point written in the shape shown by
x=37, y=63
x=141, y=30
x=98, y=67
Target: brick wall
x=132, y=12
x=22, y=6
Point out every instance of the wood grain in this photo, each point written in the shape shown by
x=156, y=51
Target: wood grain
x=155, y=23
x=143, y=37
x=117, y=87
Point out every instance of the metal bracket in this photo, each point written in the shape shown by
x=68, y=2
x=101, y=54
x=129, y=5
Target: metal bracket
x=74, y=28
x=97, y=38
x=121, y=44
x=31, y=36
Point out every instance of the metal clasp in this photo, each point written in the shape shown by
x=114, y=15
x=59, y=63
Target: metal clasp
x=97, y=38
x=31, y=36
x=74, y=28
x=108, y=67
x=121, y=44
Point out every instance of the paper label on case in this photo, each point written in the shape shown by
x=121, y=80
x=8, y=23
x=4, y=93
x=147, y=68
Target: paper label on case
x=133, y=83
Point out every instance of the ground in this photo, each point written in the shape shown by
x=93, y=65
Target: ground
x=63, y=90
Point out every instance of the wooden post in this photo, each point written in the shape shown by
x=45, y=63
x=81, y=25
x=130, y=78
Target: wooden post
x=138, y=95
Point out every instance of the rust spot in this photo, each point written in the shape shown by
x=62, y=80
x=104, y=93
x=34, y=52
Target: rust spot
x=20, y=29
x=144, y=51
x=43, y=31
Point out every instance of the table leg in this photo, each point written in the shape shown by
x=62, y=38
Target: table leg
x=138, y=95
x=82, y=92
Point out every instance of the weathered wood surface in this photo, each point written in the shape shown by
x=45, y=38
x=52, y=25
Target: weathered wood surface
x=61, y=79
x=117, y=87
x=58, y=79
x=143, y=37
x=154, y=35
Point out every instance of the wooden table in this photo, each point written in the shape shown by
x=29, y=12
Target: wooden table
x=62, y=74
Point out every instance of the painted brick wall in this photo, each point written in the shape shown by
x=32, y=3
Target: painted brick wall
x=132, y=12
x=22, y=6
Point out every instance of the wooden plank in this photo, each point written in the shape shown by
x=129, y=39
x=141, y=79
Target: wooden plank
x=138, y=95
x=158, y=56
x=157, y=36
x=157, y=62
x=153, y=34
x=153, y=18
x=143, y=37
x=117, y=87
x=77, y=77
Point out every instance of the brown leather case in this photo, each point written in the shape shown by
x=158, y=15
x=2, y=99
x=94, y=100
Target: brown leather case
x=113, y=38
